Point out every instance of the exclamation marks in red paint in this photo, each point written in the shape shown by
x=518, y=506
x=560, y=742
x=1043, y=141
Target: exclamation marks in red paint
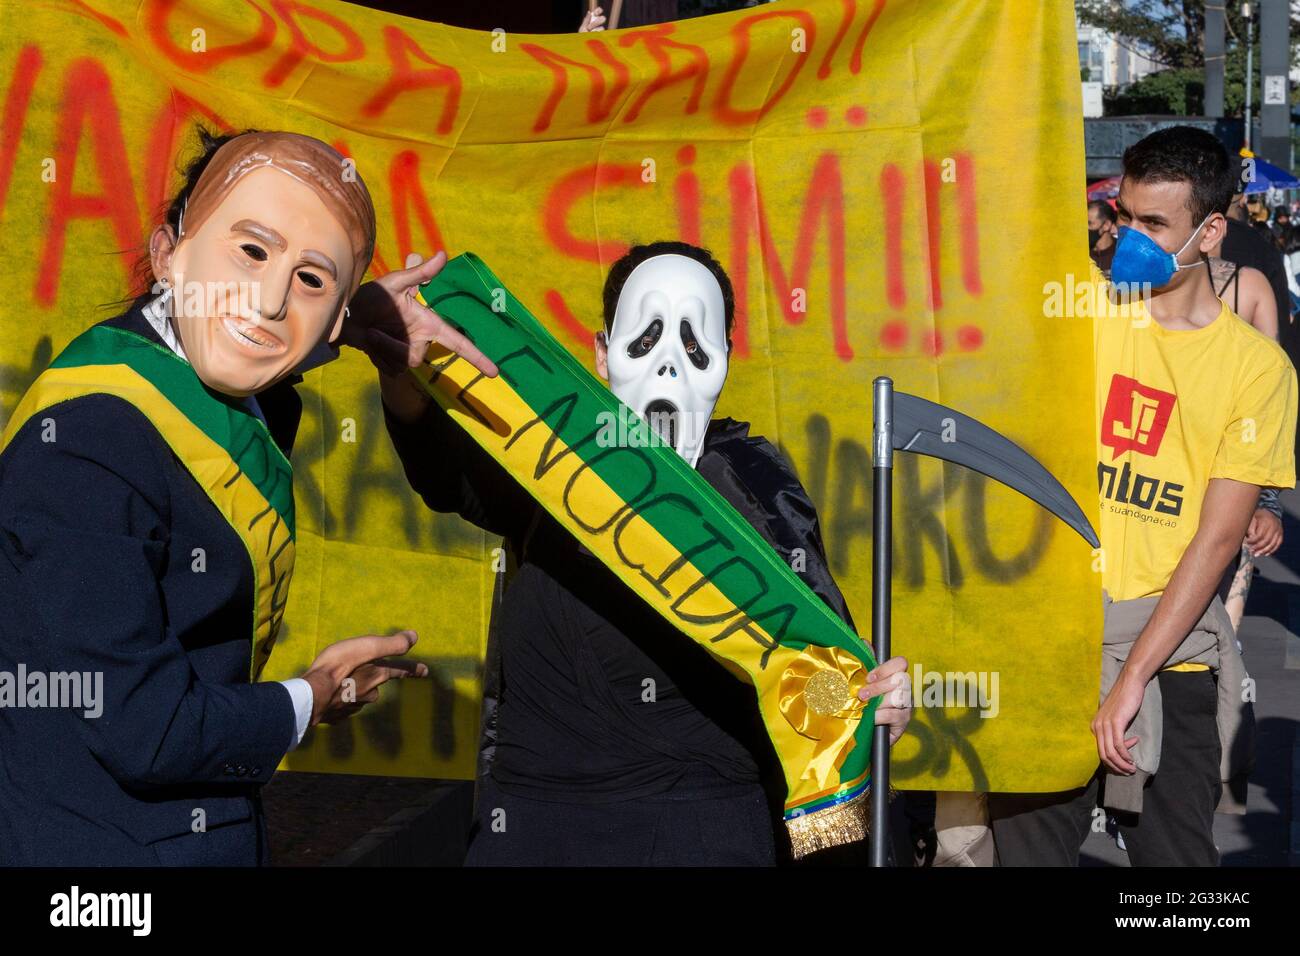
x=933, y=230
x=950, y=177
x=891, y=203
x=968, y=225
x=819, y=116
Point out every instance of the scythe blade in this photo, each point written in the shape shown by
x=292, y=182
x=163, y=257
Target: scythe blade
x=928, y=428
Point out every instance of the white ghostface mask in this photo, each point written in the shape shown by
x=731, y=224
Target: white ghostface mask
x=667, y=350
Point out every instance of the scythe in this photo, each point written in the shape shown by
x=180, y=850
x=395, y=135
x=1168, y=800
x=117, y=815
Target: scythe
x=907, y=423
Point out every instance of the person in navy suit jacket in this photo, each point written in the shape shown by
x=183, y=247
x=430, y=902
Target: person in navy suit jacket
x=146, y=525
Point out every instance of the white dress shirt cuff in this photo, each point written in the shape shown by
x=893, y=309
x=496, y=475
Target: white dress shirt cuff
x=303, y=699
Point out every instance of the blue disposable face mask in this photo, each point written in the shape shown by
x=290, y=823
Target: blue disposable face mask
x=1139, y=260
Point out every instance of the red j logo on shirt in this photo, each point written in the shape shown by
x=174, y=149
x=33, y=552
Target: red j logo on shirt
x=1135, y=416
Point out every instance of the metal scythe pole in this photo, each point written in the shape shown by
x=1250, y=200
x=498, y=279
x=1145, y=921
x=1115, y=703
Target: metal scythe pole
x=906, y=422
x=882, y=533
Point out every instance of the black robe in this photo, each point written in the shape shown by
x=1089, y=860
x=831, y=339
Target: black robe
x=595, y=707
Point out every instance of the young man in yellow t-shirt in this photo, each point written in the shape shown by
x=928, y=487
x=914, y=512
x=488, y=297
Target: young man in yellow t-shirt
x=1196, y=413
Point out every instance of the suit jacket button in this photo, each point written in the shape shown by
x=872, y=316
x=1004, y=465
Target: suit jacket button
x=241, y=770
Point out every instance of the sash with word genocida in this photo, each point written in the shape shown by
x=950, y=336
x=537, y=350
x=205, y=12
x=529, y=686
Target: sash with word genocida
x=650, y=517
x=222, y=443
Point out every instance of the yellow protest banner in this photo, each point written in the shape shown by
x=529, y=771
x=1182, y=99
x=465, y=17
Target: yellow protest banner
x=889, y=183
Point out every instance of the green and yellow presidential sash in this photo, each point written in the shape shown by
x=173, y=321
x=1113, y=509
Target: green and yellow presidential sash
x=222, y=443
x=638, y=507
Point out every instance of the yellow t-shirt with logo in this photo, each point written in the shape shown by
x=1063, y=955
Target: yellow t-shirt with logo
x=1176, y=409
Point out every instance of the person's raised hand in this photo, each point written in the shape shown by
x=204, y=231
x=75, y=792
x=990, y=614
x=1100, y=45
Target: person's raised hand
x=387, y=322
x=347, y=675
x=593, y=22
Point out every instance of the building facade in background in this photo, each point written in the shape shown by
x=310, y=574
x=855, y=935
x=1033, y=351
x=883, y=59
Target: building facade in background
x=1110, y=60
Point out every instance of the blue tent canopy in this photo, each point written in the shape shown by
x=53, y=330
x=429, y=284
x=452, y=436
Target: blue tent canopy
x=1267, y=176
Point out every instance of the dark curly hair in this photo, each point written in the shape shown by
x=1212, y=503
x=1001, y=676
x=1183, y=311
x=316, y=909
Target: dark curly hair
x=1185, y=154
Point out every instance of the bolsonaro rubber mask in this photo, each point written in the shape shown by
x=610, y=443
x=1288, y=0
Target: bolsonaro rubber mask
x=272, y=243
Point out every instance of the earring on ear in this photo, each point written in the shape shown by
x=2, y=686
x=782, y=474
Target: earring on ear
x=162, y=288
